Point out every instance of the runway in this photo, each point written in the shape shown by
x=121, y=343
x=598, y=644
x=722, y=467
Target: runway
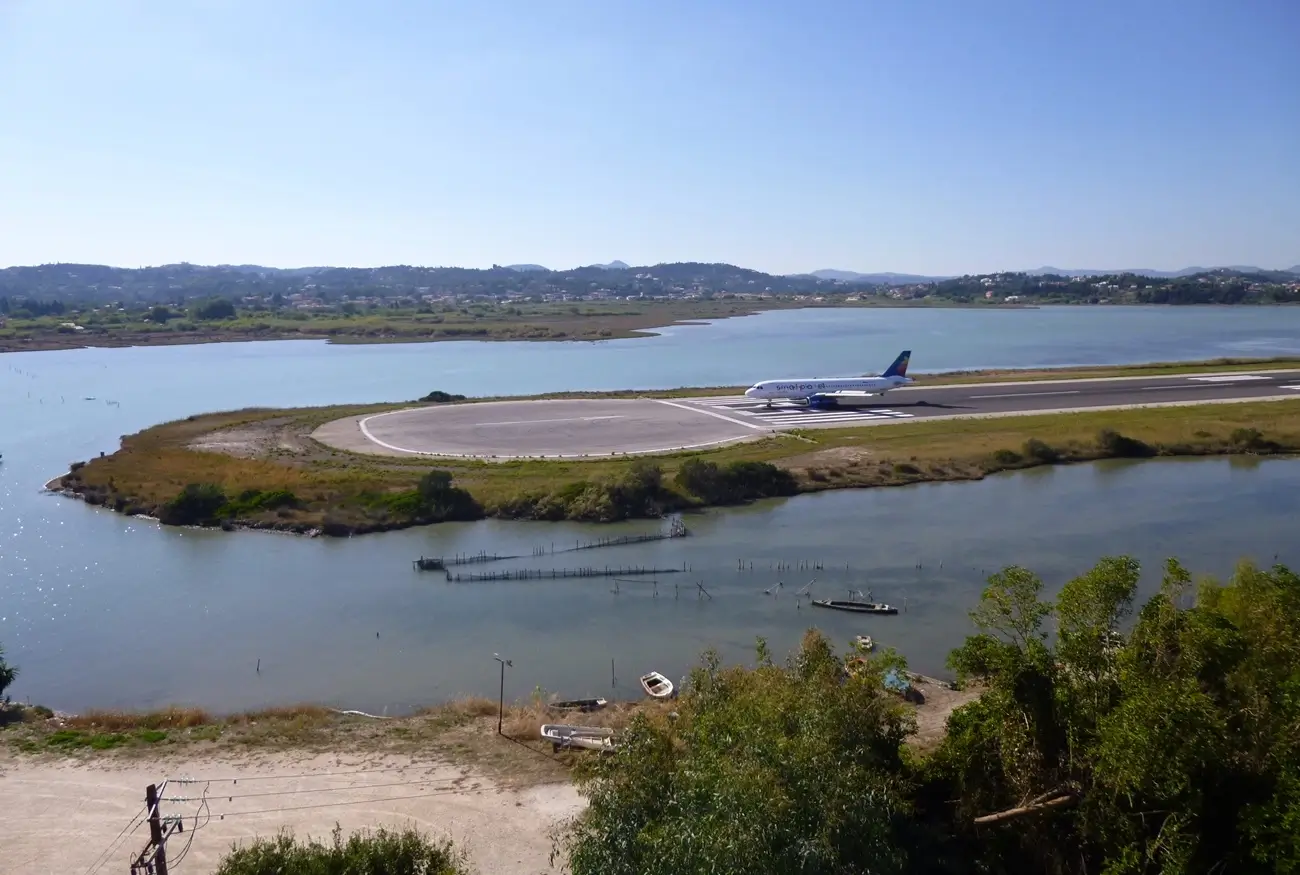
x=607, y=427
x=1007, y=398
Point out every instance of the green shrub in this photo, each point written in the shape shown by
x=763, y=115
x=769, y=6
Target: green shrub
x=1039, y=451
x=1112, y=443
x=252, y=501
x=197, y=504
x=437, y=396
x=1006, y=457
x=408, y=852
x=735, y=482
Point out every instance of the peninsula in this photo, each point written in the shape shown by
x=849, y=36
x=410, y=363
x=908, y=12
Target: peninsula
x=344, y=470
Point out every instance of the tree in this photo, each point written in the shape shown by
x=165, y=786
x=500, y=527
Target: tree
x=7, y=672
x=1170, y=750
x=781, y=769
x=439, y=500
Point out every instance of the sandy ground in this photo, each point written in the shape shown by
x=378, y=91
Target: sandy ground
x=62, y=816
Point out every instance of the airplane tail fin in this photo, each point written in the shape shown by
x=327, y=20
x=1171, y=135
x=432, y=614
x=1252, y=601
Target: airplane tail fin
x=899, y=367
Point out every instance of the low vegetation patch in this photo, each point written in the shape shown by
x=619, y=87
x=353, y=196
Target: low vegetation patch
x=402, y=852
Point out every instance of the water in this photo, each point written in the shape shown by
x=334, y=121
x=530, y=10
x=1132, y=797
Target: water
x=99, y=610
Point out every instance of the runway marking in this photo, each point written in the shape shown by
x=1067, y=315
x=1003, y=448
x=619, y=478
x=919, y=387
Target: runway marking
x=1228, y=378
x=365, y=430
x=536, y=421
x=1292, y=388
x=699, y=409
x=1161, y=388
x=1028, y=394
x=791, y=415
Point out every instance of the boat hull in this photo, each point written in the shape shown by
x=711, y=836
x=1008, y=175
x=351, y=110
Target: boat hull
x=656, y=685
x=584, y=737
x=856, y=607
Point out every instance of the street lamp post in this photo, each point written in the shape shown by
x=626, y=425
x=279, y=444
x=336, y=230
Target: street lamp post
x=501, y=697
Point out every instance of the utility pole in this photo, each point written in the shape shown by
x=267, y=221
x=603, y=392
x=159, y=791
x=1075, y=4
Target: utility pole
x=501, y=698
x=153, y=859
x=155, y=829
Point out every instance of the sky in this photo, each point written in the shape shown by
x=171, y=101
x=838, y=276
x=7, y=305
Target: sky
x=937, y=137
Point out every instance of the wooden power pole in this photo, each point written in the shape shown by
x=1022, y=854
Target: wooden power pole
x=153, y=859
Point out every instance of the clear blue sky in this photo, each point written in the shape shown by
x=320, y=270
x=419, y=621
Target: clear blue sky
x=942, y=136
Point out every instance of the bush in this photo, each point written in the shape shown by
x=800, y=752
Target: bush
x=1039, y=451
x=734, y=482
x=1114, y=444
x=440, y=397
x=1006, y=457
x=252, y=501
x=1252, y=440
x=197, y=504
x=408, y=852
x=433, y=500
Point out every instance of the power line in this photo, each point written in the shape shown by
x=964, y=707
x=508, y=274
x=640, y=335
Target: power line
x=308, y=790
x=203, y=806
x=224, y=815
x=107, y=854
x=288, y=776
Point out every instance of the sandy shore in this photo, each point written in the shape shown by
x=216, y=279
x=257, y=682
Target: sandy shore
x=61, y=816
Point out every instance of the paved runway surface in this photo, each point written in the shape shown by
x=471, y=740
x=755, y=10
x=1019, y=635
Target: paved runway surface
x=610, y=427
x=1035, y=396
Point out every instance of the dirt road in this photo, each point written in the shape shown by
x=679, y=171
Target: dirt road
x=64, y=816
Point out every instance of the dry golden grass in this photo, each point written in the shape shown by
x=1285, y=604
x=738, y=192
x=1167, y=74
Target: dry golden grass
x=166, y=718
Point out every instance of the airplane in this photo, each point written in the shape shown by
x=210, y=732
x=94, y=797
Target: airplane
x=826, y=393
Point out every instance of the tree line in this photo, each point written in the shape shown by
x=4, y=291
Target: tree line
x=1106, y=743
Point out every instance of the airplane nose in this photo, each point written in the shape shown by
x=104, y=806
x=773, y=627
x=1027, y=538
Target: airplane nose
x=751, y=393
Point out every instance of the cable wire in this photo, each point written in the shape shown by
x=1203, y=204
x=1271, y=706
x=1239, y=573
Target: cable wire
x=333, y=789
x=105, y=855
x=203, y=807
x=224, y=815
x=293, y=775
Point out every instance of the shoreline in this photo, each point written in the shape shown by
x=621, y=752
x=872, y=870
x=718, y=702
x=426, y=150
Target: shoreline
x=558, y=331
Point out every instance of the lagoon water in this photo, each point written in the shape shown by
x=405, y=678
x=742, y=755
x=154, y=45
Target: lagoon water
x=104, y=611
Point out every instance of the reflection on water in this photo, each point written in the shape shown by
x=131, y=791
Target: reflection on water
x=184, y=616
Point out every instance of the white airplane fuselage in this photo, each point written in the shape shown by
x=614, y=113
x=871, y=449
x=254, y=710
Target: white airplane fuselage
x=802, y=390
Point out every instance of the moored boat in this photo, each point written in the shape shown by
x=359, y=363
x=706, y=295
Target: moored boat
x=579, y=704
x=856, y=606
x=863, y=643
x=656, y=685
x=586, y=737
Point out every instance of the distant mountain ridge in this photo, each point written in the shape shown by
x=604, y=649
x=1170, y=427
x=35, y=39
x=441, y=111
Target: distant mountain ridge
x=886, y=278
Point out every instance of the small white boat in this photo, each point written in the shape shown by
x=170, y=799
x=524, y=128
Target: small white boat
x=586, y=737
x=863, y=643
x=656, y=685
